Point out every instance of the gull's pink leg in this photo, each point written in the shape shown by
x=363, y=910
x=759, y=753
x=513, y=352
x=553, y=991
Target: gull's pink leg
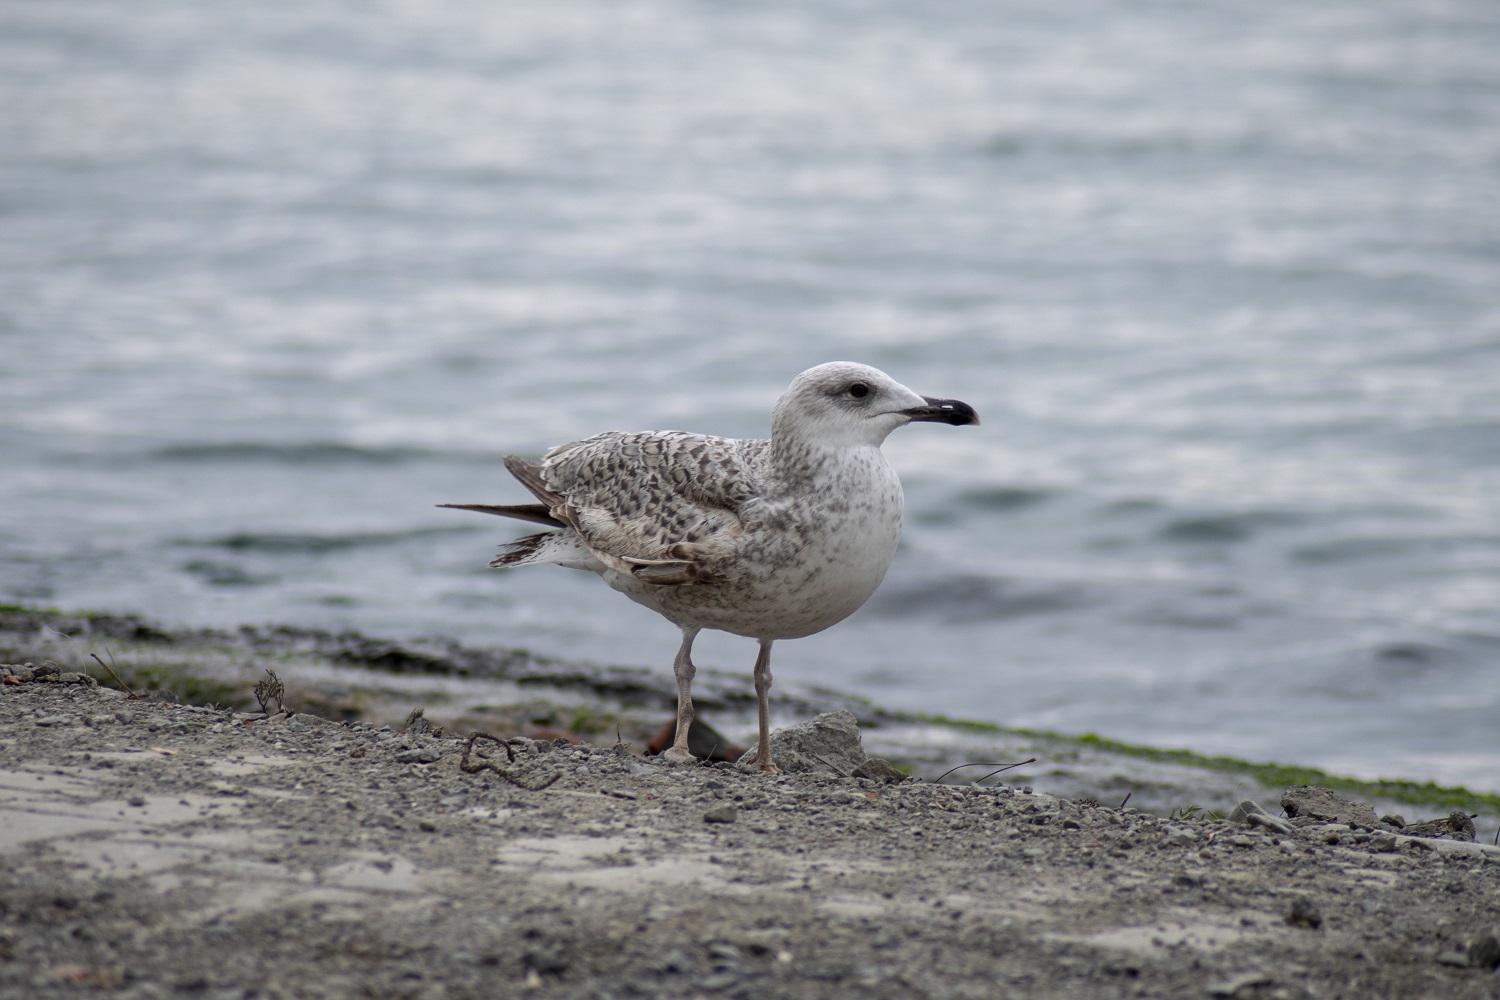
x=762, y=698
x=684, y=670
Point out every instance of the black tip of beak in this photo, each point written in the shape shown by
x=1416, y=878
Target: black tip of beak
x=944, y=411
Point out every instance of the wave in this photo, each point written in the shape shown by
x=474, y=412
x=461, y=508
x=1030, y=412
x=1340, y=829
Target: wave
x=1355, y=548
x=251, y=541
x=314, y=453
x=219, y=574
x=1004, y=498
x=1224, y=528
x=969, y=598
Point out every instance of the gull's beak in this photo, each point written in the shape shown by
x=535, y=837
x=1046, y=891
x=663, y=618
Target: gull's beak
x=944, y=411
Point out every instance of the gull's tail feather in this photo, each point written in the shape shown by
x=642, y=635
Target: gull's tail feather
x=529, y=474
x=562, y=548
x=523, y=511
x=522, y=551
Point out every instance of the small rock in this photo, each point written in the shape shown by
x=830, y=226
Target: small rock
x=1382, y=843
x=135, y=800
x=1232, y=986
x=547, y=959
x=1179, y=836
x=419, y=755
x=126, y=717
x=704, y=742
x=724, y=951
x=721, y=814
x=54, y=720
x=879, y=769
x=1321, y=803
x=827, y=744
x=1484, y=952
x=719, y=981
x=1251, y=813
x=47, y=671
x=841, y=798
x=1393, y=819
x=1302, y=913
x=1455, y=826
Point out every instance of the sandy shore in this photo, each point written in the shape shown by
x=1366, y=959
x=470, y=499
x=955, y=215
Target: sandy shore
x=152, y=849
x=352, y=677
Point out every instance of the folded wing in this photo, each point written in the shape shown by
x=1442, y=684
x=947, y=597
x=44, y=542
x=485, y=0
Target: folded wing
x=662, y=506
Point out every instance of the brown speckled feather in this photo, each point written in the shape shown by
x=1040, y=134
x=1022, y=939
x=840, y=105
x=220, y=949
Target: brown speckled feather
x=679, y=516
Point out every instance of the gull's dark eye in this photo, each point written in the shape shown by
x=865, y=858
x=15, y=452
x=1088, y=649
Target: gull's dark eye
x=859, y=390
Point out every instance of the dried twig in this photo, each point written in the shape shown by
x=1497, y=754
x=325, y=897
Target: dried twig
x=118, y=680
x=506, y=773
x=417, y=722
x=975, y=763
x=828, y=763
x=270, y=689
x=1007, y=767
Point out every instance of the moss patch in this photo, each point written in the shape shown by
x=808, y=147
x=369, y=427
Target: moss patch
x=1267, y=773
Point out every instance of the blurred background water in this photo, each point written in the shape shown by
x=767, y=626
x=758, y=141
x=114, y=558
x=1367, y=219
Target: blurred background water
x=1223, y=280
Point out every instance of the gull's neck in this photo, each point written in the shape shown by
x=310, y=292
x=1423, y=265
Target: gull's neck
x=799, y=463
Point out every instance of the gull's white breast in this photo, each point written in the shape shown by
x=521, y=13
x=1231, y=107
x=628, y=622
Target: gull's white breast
x=809, y=559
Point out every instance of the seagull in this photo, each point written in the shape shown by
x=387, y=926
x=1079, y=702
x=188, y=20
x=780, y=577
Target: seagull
x=770, y=538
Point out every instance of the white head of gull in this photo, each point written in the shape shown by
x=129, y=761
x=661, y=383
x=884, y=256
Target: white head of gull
x=767, y=538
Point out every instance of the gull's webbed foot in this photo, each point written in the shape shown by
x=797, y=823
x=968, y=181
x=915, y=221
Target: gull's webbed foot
x=678, y=755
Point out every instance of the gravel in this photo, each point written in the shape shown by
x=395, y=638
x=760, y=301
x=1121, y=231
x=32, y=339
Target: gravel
x=185, y=851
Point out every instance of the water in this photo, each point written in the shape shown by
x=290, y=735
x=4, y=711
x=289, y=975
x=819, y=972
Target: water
x=1223, y=281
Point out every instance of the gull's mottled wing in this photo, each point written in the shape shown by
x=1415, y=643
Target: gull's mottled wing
x=661, y=505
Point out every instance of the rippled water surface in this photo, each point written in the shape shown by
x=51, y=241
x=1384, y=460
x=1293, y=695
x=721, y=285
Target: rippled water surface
x=1223, y=280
